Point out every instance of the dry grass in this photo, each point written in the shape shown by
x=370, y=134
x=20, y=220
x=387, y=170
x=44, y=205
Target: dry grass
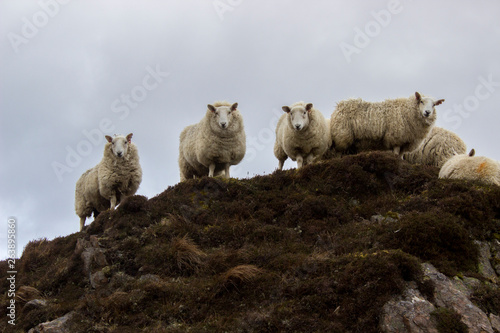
x=187, y=254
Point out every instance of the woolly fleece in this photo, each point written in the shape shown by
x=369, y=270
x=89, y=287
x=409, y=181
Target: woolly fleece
x=393, y=124
x=207, y=143
x=472, y=168
x=438, y=147
x=304, y=146
x=113, y=179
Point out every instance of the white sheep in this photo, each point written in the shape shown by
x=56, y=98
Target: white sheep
x=301, y=134
x=117, y=176
x=438, y=146
x=399, y=124
x=471, y=167
x=211, y=146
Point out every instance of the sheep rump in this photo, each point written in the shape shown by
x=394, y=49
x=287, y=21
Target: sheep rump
x=398, y=124
x=117, y=176
x=211, y=146
x=306, y=143
x=470, y=167
x=438, y=147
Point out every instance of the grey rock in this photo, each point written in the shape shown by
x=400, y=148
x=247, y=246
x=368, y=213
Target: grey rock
x=59, y=325
x=495, y=251
x=485, y=268
x=385, y=219
x=34, y=304
x=98, y=279
x=447, y=295
x=149, y=278
x=91, y=254
x=409, y=313
x=495, y=322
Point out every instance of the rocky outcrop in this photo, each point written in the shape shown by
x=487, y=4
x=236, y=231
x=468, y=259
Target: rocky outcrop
x=93, y=258
x=412, y=312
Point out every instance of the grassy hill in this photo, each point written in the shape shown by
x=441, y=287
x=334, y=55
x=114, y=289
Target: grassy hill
x=320, y=249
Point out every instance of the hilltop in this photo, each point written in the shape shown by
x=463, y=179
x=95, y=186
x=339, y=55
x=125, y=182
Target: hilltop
x=364, y=243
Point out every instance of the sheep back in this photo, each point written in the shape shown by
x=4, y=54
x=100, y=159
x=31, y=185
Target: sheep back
x=468, y=167
x=438, y=147
x=379, y=125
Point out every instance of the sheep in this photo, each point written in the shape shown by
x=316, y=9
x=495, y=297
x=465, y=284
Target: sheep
x=117, y=176
x=301, y=134
x=211, y=146
x=399, y=124
x=438, y=146
x=471, y=167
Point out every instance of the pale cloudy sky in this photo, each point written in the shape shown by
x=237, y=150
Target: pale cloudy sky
x=73, y=71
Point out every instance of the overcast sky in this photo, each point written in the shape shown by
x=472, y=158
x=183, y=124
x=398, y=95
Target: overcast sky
x=74, y=71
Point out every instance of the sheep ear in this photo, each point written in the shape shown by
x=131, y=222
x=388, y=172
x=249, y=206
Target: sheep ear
x=472, y=152
x=234, y=106
x=286, y=109
x=110, y=139
x=129, y=137
x=417, y=96
x=440, y=101
x=309, y=107
x=211, y=107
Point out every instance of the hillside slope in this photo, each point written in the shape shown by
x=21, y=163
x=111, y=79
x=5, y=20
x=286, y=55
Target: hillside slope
x=338, y=246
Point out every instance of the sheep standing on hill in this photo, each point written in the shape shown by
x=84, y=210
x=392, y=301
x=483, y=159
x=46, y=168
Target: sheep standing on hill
x=472, y=167
x=301, y=134
x=214, y=144
x=399, y=124
x=117, y=176
x=438, y=147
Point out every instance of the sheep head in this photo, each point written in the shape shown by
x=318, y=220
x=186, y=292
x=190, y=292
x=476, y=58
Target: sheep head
x=223, y=114
x=119, y=144
x=426, y=105
x=298, y=116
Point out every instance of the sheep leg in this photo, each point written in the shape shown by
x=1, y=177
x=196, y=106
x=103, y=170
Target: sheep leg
x=82, y=223
x=309, y=159
x=226, y=170
x=396, y=150
x=211, y=170
x=300, y=161
x=280, y=165
x=113, y=202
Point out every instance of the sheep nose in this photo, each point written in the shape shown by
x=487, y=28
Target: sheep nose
x=119, y=154
x=427, y=113
x=297, y=127
x=223, y=125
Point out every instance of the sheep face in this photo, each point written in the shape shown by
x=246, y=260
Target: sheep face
x=298, y=117
x=222, y=115
x=426, y=105
x=119, y=144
